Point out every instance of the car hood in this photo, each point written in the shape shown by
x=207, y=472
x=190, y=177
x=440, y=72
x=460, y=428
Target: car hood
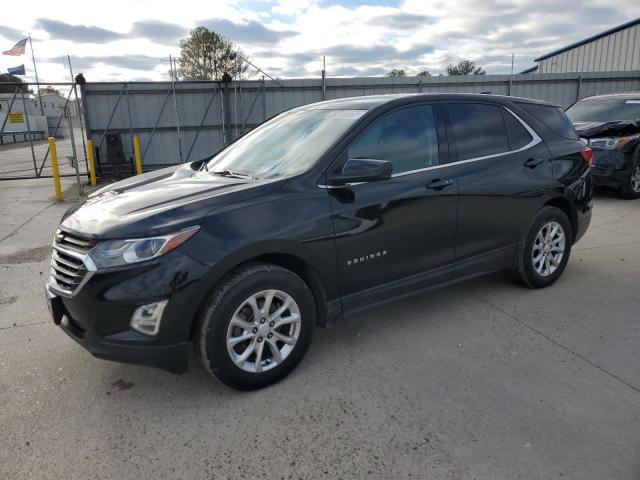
x=617, y=128
x=158, y=202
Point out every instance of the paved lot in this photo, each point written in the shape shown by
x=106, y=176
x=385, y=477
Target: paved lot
x=484, y=380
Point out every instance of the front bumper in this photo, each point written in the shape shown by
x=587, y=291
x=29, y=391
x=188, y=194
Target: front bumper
x=611, y=167
x=605, y=176
x=98, y=315
x=173, y=358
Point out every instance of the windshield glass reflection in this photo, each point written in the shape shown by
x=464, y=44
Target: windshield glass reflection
x=285, y=145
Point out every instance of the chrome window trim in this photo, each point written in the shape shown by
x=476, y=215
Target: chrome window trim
x=535, y=139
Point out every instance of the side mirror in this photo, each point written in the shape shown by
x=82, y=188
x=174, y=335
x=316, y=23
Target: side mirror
x=361, y=170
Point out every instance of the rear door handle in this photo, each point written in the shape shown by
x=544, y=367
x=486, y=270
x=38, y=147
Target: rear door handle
x=439, y=184
x=533, y=162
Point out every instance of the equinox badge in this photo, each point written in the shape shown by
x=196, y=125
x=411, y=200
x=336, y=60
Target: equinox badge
x=366, y=258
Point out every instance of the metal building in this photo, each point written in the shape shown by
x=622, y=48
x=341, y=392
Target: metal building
x=617, y=49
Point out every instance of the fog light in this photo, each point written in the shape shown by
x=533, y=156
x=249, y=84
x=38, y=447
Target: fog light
x=146, y=319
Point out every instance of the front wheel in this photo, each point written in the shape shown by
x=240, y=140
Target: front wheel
x=256, y=326
x=543, y=254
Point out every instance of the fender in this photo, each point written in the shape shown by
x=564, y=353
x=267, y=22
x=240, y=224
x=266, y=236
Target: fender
x=293, y=255
x=267, y=248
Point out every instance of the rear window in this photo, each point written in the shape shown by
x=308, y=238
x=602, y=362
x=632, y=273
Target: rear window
x=478, y=129
x=553, y=118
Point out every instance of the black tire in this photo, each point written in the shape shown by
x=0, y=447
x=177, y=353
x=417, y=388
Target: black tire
x=627, y=189
x=523, y=268
x=210, y=336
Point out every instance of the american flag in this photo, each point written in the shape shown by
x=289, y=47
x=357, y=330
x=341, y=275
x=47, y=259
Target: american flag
x=17, y=49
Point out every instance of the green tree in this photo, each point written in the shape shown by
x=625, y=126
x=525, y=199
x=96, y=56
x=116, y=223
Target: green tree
x=205, y=55
x=424, y=73
x=465, y=67
x=6, y=78
x=50, y=89
x=397, y=72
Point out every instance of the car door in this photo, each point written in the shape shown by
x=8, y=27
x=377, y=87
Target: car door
x=397, y=234
x=503, y=171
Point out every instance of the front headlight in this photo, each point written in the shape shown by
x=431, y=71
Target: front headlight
x=115, y=253
x=616, y=143
x=623, y=142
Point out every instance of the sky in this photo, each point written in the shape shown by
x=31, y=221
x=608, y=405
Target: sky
x=132, y=40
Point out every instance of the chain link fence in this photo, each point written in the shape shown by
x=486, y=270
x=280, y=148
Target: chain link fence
x=27, y=121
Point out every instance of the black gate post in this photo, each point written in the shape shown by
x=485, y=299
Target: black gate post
x=226, y=78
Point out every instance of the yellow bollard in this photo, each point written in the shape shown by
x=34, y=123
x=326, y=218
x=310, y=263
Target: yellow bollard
x=136, y=154
x=92, y=162
x=54, y=168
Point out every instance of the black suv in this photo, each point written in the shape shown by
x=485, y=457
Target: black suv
x=322, y=210
x=610, y=125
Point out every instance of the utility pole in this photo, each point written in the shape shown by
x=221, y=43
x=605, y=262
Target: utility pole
x=511, y=76
x=175, y=69
x=175, y=107
x=324, y=78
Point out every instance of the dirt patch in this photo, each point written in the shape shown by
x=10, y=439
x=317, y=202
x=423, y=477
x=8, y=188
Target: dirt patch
x=31, y=255
x=121, y=385
x=7, y=300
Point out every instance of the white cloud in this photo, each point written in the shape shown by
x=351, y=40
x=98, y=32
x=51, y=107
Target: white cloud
x=289, y=37
x=292, y=7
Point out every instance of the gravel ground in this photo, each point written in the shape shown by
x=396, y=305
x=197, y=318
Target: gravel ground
x=483, y=380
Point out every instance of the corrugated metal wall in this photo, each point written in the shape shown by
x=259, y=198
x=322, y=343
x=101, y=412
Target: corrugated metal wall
x=617, y=51
x=208, y=117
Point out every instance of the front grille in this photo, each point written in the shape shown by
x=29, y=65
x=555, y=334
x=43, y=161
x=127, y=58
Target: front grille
x=73, y=242
x=68, y=269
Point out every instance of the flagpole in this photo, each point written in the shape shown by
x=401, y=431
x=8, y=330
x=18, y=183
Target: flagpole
x=33, y=57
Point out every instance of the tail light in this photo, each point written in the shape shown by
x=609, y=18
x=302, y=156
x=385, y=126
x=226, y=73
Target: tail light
x=587, y=155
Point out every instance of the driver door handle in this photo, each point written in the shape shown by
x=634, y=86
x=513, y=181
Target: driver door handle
x=439, y=184
x=533, y=162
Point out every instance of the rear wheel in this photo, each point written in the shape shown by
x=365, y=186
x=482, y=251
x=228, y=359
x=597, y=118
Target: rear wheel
x=256, y=326
x=631, y=187
x=543, y=254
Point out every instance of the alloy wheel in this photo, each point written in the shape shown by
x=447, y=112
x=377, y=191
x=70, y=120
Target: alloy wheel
x=548, y=248
x=635, y=179
x=263, y=331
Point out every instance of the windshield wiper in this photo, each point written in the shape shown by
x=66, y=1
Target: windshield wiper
x=229, y=173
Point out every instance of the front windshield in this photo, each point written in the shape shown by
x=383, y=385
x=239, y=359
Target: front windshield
x=605, y=110
x=285, y=145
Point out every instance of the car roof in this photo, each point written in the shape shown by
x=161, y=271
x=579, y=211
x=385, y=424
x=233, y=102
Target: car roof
x=614, y=96
x=369, y=102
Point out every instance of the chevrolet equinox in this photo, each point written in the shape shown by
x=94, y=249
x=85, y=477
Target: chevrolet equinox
x=323, y=210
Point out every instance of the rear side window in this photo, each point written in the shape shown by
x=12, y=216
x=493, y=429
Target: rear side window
x=553, y=118
x=478, y=129
x=518, y=135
